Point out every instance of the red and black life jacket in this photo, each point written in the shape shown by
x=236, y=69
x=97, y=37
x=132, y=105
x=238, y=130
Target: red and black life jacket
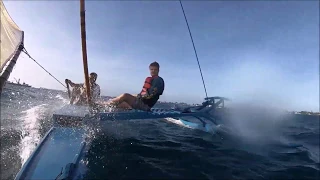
x=147, y=85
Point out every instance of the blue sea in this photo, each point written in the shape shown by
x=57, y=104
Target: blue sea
x=263, y=144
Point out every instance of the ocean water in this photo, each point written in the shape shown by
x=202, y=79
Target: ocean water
x=260, y=145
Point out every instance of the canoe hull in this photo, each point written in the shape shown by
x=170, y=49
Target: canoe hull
x=59, y=147
x=65, y=145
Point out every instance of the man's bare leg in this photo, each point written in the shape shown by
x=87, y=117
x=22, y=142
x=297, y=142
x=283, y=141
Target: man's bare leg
x=127, y=98
x=124, y=105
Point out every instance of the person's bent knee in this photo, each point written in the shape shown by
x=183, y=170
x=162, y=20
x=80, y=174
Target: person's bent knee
x=125, y=95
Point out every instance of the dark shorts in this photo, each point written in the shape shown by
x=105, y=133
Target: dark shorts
x=140, y=105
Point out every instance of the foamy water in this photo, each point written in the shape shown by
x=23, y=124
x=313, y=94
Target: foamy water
x=31, y=125
x=30, y=130
x=64, y=100
x=210, y=127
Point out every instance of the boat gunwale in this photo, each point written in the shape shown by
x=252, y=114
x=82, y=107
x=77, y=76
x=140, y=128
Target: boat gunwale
x=25, y=166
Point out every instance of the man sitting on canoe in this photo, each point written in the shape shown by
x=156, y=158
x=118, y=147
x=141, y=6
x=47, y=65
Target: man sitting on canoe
x=79, y=96
x=149, y=95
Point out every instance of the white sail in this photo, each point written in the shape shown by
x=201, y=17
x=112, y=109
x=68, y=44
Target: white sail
x=11, y=37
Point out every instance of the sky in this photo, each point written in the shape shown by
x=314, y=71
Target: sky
x=266, y=51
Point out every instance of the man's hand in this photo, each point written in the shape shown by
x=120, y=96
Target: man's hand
x=71, y=83
x=68, y=81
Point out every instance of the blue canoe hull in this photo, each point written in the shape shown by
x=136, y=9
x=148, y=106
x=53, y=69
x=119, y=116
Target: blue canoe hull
x=59, y=147
x=65, y=142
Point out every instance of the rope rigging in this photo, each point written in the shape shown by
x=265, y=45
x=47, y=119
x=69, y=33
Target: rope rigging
x=26, y=52
x=194, y=48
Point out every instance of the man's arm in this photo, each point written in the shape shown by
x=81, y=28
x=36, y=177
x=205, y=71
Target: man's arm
x=73, y=84
x=156, y=88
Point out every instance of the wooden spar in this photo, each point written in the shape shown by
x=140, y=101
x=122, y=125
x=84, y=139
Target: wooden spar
x=7, y=71
x=84, y=49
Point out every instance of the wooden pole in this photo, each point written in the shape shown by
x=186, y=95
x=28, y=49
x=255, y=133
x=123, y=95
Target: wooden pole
x=84, y=48
x=7, y=71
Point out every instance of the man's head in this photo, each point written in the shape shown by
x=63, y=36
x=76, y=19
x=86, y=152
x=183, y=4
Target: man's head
x=93, y=77
x=154, y=69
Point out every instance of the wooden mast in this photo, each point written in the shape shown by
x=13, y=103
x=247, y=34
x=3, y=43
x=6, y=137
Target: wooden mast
x=84, y=49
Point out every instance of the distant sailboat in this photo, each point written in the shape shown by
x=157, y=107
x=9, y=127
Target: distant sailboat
x=17, y=83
